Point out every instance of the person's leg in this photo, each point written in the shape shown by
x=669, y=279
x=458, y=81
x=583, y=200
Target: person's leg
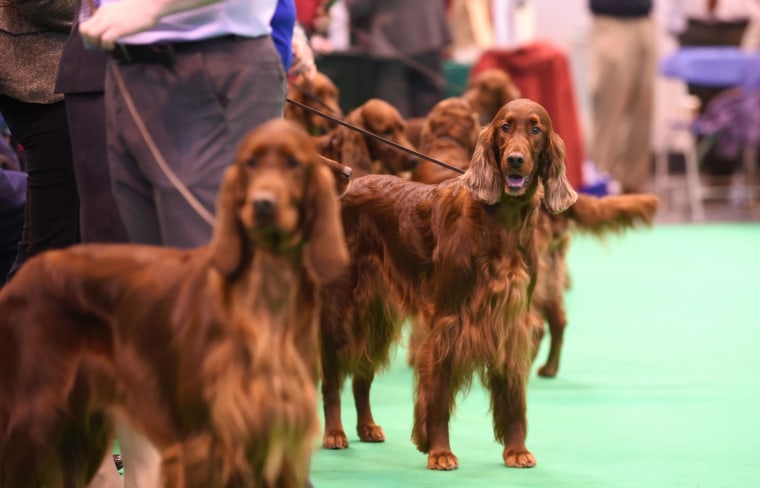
x=636, y=140
x=52, y=205
x=610, y=84
x=99, y=217
x=244, y=87
x=215, y=94
x=132, y=191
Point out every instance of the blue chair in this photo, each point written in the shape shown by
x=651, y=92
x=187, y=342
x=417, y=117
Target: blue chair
x=722, y=67
x=708, y=66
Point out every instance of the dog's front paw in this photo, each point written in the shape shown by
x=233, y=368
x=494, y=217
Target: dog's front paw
x=371, y=433
x=335, y=440
x=547, y=371
x=442, y=460
x=519, y=458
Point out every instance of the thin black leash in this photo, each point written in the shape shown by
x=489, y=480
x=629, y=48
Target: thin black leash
x=375, y=136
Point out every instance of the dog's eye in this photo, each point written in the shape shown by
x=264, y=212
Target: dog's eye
x=505, y=127
x=292, y=163
x=535, y=130
x=251, y=163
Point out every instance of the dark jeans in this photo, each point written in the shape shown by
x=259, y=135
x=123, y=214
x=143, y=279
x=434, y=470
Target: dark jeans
x=51, y=217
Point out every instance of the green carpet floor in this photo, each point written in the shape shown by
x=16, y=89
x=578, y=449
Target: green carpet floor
x=659, y=384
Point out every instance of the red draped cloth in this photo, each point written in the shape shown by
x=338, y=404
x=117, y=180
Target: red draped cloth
x=541, y=71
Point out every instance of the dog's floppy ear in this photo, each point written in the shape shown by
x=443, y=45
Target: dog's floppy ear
x=353, y=147
x=228, y=244
x=484, y=179
x=474, y=133
x=558, y=193
x=326, y=251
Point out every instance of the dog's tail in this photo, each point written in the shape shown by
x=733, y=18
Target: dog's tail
x=615, y=213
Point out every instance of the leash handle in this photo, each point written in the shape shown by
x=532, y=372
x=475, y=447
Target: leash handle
x=375, y=136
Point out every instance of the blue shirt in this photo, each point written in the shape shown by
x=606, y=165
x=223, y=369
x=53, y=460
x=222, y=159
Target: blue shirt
x=283, y=22
x=246, y=18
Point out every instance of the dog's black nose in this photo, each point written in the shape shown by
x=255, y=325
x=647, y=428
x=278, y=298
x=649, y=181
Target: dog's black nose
x=264, y=206
x=515, y=160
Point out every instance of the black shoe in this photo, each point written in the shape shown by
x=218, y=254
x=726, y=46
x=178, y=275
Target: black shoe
x=118, y=461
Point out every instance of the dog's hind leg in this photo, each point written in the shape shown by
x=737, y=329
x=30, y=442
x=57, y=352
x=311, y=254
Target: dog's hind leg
x=366, y=427
x=554, y=313
x=383, y=326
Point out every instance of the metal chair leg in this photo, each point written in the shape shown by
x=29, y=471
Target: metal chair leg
x=693, y=184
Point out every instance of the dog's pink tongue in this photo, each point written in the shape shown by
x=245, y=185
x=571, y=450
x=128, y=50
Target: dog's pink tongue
x=514, y=181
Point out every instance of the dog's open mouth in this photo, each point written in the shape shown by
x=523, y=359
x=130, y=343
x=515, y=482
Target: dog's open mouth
x=267, y=234
x=273, y=238
x=516, y=182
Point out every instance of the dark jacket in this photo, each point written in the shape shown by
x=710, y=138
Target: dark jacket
x=621, y=8
x=32, y=35
x=81, y=70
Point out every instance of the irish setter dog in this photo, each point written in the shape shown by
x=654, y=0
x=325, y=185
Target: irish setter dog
x=462, y=255
x=488, y=91
x=211, y=353
x=319, y=93
x=365, y=154
x=447, y=134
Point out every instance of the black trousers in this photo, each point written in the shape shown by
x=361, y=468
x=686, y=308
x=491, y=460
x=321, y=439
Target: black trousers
x=51, y=217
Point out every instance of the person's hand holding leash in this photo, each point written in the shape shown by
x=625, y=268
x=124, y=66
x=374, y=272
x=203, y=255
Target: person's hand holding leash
x=116, y=20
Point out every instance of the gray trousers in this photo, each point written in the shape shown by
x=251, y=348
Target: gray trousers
x=197, y=109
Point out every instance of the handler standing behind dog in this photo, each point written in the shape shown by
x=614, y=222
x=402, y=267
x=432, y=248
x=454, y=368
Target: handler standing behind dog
x=202, y=74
